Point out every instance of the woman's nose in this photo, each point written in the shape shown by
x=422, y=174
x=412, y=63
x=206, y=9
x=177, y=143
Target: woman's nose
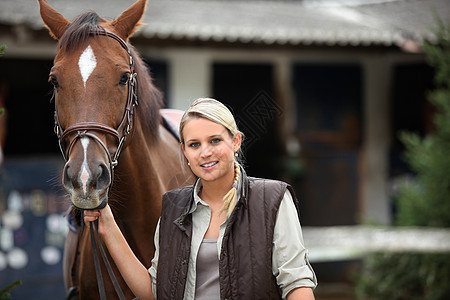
x=206, y=151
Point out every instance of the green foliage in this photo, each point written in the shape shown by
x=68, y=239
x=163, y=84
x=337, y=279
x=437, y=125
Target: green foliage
x=2, y=49
x=438, y=54
x=426, y=200
x=423, y=201
x=4, y=293
x=405, y=276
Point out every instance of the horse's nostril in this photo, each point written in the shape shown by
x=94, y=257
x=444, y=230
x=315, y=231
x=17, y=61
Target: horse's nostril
x=104, y=177
x=67, y=180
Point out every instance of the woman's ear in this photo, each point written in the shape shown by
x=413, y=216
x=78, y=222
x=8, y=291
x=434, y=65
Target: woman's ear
x=237, y=141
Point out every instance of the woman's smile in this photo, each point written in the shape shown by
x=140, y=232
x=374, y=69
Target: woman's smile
x=209, y=165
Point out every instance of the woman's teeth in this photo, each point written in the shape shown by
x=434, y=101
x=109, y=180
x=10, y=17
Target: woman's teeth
x=210, y=164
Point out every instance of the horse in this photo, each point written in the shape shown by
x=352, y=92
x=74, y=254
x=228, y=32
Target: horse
x=113, y=136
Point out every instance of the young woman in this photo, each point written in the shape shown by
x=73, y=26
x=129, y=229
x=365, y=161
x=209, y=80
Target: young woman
x=229, y=236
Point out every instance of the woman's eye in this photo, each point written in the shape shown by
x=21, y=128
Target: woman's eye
x=124, y=79
x=215, y=141
x=194, y=145
x=52, y=79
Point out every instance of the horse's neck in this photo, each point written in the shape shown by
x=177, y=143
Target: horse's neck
x=144, y=173
x=148, y=168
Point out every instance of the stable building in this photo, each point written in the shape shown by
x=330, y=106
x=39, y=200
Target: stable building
x=320, y=88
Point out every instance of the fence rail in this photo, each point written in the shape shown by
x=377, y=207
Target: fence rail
x=338, y=243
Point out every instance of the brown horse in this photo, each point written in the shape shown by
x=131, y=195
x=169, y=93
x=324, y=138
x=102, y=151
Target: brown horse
x=106, y=105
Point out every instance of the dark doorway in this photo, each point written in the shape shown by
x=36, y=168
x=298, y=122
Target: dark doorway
x=30, y=113
x=328, y=101
x=248, y=90
x=411, y=110
x=159, y=72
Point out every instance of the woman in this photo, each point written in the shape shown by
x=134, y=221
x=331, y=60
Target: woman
x=227, y=237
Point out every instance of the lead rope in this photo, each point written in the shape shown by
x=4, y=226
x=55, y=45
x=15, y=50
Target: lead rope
x=98, y=271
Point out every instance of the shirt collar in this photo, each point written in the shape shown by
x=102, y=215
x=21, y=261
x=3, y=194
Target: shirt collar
x=197, y=188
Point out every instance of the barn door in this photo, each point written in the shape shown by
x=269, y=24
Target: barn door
x=328, y=106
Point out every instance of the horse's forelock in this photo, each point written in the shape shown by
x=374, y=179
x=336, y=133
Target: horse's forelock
x=79, y=30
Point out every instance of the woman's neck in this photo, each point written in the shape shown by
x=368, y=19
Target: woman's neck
x=214, y=191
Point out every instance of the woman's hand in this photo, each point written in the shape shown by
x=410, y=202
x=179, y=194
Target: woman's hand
x=104, y=216
x=132, y=270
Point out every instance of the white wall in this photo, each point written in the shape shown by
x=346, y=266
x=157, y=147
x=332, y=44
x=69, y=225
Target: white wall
x=376, y=141
x=189, y=77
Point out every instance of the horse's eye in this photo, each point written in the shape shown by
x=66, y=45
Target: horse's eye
x=52, y=79
x=124, y=79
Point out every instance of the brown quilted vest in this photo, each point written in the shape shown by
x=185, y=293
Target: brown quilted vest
x=245, y=265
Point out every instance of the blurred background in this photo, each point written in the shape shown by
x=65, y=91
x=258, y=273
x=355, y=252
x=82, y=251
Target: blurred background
x=322, y=90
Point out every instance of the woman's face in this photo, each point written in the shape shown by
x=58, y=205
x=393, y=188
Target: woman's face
x=210, y=149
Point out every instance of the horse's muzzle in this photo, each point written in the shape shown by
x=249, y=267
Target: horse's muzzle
x=87, y=186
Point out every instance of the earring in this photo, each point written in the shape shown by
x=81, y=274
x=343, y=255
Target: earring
x=189, y=163
x=236, y=154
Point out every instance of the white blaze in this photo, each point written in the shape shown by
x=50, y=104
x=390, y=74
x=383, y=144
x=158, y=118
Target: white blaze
x=87, y=63
x=84, y=172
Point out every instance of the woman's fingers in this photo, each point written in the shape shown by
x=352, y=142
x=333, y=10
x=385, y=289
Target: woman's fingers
x=105, y=217
x=92, y=213
x=90, y=216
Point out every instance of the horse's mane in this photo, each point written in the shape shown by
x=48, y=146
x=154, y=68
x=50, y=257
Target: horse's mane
x=149, y=98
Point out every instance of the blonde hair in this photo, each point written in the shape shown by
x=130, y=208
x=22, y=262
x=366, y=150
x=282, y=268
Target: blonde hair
x=217, y=112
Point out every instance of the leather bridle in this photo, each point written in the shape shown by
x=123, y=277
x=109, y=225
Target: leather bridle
x=84, y=129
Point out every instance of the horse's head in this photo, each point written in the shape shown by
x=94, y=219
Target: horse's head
x=93, y=78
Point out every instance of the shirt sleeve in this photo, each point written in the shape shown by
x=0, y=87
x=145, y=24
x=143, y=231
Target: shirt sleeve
x=154, y=266
x=290, y=263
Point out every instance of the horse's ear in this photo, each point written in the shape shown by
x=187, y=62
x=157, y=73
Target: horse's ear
x=128, y=22
x=53, y=20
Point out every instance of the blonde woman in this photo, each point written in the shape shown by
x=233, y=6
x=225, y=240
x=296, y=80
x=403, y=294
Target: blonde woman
x=229, y=236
